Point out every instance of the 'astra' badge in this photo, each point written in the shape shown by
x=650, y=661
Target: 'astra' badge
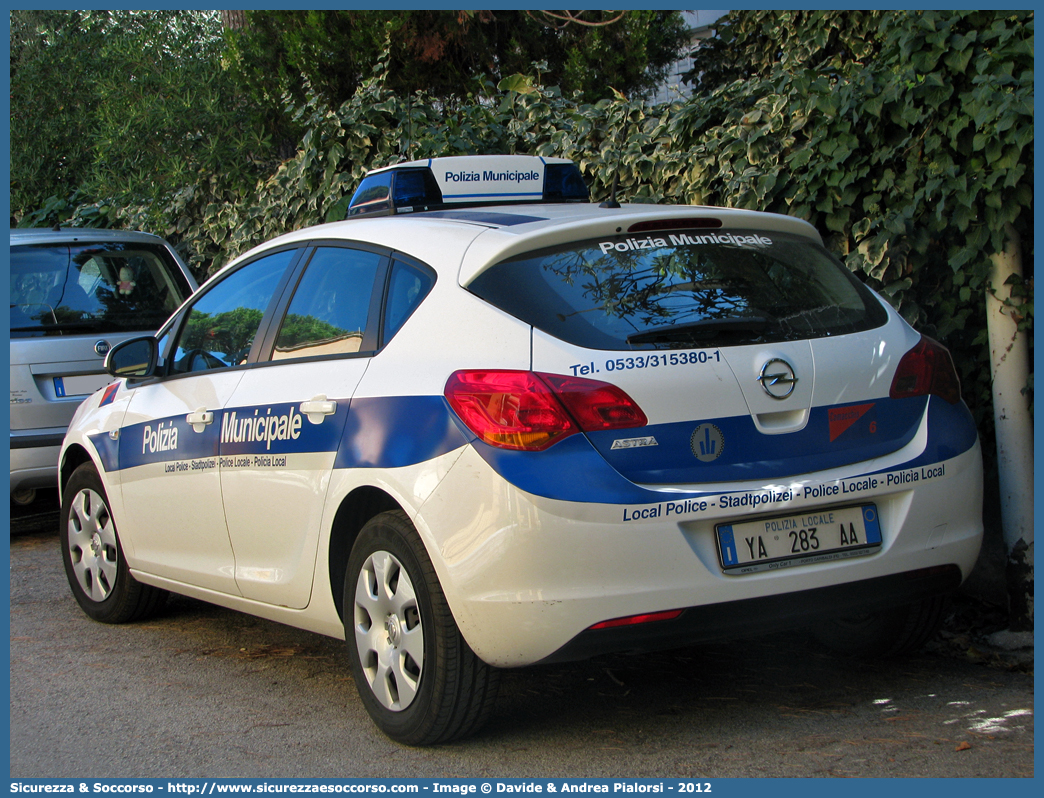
x=633, y=443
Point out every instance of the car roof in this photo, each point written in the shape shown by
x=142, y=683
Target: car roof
x=476, y=238
x=43, y=235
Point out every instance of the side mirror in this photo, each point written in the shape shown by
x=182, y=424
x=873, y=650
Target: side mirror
x=134, y=359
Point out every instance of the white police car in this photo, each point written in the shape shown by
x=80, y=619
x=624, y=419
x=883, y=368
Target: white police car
x=470, y=437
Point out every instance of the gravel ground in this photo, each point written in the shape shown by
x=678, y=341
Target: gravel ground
x=200, y=691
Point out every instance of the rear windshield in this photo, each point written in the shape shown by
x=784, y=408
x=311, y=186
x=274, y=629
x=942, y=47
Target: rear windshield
x=58, y=289
x=683, y=290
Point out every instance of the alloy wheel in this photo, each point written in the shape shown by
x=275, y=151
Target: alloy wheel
x=388, y=630
x=92, y=545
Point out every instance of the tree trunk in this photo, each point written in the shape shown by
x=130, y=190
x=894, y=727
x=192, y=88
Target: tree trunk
x=233, y=20
x=1009, y=362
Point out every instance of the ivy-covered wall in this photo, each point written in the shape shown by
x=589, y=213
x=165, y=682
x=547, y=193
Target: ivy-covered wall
x=915, y=163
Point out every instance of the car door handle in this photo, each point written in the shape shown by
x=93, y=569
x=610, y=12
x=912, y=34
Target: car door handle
x=200, y=418
x=317, y=408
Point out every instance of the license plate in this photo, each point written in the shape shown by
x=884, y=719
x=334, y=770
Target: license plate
x=80, y=385
x=799, y=539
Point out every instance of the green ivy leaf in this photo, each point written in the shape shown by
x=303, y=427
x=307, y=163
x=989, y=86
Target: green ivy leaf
x=518, y=83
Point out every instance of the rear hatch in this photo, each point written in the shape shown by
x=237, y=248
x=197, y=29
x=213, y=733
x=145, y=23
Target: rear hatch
x=70, y=303
x=754, y=354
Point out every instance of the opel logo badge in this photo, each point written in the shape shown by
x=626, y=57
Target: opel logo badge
x=778, y=378
x=102, y=348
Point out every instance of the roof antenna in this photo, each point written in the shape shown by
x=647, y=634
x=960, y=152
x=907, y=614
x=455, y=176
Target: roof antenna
x=611, y=202
x=409, y=122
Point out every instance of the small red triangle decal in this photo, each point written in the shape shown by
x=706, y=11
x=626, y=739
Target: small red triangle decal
x=841, y=418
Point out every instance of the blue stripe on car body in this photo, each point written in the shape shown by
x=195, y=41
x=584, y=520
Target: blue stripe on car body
x=951, y=431
x=396, y=431
x=393, y=432
x=108, y=450
x=750, y=454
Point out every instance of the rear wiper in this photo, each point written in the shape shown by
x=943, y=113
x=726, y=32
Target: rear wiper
x=697, y=330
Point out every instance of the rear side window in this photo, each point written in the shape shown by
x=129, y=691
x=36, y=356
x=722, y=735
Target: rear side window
x=683, y=290
x=331, y=306
x=407, y=287
x=58, y=289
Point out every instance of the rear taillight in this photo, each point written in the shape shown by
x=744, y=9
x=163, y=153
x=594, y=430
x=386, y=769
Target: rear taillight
x=530, y=411
x=595, y=405
x=926, y=369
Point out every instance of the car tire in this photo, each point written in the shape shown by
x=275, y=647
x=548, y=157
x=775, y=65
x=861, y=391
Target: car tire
x=24, y=497
x=887, y=633
x=94, y=561
x=417, y=677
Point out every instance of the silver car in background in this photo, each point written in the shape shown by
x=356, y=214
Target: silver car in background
x=74, y=294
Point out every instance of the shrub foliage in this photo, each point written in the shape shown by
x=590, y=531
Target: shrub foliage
x=905, y=138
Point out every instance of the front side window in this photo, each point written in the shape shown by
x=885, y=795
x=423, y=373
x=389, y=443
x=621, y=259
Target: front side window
x=60, y=289
x=682, y=290
x=222, y=324
x=331, y=306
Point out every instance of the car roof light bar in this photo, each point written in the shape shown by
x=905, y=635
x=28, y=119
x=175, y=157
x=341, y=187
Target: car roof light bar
x=467, y=181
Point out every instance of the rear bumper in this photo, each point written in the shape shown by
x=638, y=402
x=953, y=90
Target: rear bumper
x=756, y=616
x=34, y=458
x=526, y=577
x=37, y=440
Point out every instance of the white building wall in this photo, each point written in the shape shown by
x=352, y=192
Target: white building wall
x=699, y=23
